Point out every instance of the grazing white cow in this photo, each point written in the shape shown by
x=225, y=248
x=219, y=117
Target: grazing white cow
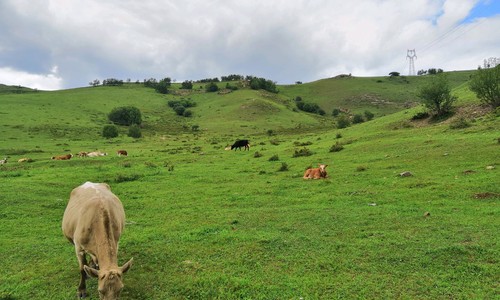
x=93, y=221
x=3, y=161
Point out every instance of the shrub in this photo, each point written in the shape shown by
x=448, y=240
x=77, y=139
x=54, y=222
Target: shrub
x=357, y=119
x=338, y=136
x=485, y=84
x=361, y=168
x=125, y=115
x=257, y=154
x=276, y=158
x=420, y=116
x=187, y=113
x=109, y=131
x=134, y=131
x=343, y=122
x=284, y=167
x=179, y=110
x=436, y=95
x=302, y=152
x=212, y=87
x=335, y=112
x=336, y=147
x=459, y=123
x=369, y=115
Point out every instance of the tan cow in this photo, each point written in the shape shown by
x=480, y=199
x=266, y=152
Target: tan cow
x=24, y=159
x=93, y=221
x=96, y=154
x=63, y=157
x=316, y=173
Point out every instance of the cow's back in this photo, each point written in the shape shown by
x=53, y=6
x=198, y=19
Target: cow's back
x=91, y=205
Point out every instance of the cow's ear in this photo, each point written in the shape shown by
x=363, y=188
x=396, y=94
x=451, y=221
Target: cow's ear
x=127, y=266
x=91, y=271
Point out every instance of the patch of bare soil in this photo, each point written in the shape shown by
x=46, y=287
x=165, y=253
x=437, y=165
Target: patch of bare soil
x=467, y=112
x=486, y=195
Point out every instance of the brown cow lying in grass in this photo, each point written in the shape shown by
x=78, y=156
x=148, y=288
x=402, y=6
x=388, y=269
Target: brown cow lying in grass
x=93, y=222
x=316, y=173
x=63, y=157
x=122, y=153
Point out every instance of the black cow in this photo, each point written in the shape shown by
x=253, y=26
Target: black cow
x=238, y=144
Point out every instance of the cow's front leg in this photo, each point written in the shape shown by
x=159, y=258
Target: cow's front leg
x=82, y=288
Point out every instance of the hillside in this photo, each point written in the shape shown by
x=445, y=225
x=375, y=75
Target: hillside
x=204, y=223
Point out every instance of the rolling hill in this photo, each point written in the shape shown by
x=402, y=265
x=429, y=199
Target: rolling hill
x=204, y=223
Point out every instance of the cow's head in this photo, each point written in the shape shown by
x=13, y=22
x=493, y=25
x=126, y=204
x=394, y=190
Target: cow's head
x=110, y=282
x=322, y=169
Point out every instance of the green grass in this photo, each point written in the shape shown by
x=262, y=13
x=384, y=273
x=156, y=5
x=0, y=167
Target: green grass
x=204, y=223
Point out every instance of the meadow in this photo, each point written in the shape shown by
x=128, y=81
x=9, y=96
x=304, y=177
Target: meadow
x=204, y=223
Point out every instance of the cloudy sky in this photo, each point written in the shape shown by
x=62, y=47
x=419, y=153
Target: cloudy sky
x=60, y=44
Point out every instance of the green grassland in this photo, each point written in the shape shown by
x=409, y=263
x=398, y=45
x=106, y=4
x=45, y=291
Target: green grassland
x=204, y=223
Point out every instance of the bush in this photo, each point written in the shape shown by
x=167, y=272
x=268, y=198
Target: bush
x=187, y=113
x=369, y=115
x=335, y=112
x=420, y=116
x=338, y=136
x=357, y=119
x=343, y=122
x=485, y=84
x=110, y=131
x=276, y=158
x=436, y=95
x=125, y=115
x=336, y=147
x=134, y=131
x=257, y=154
x=284, y=167
x=302, y=152
x=179, y=110
x=459, y=123
x=212, y=87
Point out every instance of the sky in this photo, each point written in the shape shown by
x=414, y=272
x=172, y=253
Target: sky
x=60, y=44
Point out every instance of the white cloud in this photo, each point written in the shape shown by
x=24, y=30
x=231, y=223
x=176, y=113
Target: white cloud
x=281, y=40
x=47, y=82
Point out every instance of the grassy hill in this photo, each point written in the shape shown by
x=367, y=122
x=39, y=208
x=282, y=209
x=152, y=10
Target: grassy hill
x=204, y=223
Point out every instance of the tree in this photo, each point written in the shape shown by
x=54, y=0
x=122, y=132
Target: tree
x=188, y=85
x=125, y=115
x=163, y=85
x=109, y=131
x=485, y=83
x=436, y=95
x=394, y=74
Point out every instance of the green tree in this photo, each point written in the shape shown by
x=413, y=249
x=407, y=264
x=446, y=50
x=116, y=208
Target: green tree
x=188, y=85
x=125, y=115
x=109, y=131
x=436, y=95
x=485, y=83
x=163, y=85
